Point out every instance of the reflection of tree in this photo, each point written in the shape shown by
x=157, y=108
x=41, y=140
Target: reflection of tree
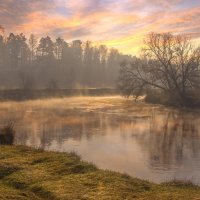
x=172, y=137
x=43, y=134
x=168, y=137
x=22, y=137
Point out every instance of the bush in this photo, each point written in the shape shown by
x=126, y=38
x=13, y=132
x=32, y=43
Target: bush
x=157, y=96
x=160, y=97
x=7, y=135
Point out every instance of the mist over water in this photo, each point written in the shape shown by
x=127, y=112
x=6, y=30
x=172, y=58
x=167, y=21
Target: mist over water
x=143, y=140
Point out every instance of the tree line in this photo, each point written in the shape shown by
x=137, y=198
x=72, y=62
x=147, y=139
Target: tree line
x=45, y=63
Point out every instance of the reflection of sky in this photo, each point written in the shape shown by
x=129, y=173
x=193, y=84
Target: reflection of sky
x=117, y=23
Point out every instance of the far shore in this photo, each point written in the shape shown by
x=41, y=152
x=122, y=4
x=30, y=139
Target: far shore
x=20, y=94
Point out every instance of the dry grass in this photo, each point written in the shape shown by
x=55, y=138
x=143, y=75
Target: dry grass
x=7, y=134
x=34, y=174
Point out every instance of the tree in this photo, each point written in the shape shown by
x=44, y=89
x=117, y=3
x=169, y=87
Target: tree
x=170, y=64
x=113, y=66
x=87, y=64
x=2, y=52
x=55, y=63
x=76, y=60
x=17, y=50
x=103, y=59
x=26, y=81
x=23, y=50
x=2, y=48
x=45, y=47
x=96, y=66
x=59, y=46
x=33, y=47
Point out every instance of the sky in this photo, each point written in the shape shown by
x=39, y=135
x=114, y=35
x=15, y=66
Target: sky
x=122, y=24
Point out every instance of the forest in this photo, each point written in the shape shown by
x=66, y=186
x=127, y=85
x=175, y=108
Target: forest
x=44, y=63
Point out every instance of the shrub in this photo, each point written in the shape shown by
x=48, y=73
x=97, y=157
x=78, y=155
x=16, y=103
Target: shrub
x=7, y=134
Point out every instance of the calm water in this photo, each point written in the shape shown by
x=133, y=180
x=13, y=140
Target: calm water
x=146, y=141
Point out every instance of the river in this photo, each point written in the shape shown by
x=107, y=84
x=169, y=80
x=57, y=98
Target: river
x=146, y=141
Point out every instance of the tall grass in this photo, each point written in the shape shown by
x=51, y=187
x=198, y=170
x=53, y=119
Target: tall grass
x=7, y=134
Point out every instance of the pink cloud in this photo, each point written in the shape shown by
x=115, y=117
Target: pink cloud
x=121, y=24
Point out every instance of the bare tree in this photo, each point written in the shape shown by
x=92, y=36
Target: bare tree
x=169, y=63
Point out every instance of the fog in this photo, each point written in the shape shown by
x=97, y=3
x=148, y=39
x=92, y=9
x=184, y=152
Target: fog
x=40, y=63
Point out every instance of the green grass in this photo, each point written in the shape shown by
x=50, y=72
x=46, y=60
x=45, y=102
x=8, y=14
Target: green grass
x=34, y=174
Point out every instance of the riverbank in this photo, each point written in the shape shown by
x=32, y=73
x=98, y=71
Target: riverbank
x=35, y=174
x=22, y=95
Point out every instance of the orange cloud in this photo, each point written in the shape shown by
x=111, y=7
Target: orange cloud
x=119, y=24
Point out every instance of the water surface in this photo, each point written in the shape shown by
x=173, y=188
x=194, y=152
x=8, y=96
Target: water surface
x=145, y=141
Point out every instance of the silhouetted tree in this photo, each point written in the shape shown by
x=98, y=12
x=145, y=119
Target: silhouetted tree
x=76, y=61
x=113, y=65
x=33, y=47
x=50, y=63
x=26, y=81
x=2, y=53
x=88, y=67
x=59, y=46
x=45, y=47
x=17, y=50
x=2, y=48
x=97, y=65
x=103, y=56
x=170, y=64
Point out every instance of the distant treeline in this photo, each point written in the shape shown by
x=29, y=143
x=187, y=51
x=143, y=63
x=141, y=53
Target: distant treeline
x=31, y=63
x=21, y=95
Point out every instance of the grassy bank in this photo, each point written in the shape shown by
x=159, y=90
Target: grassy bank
x=34, y=174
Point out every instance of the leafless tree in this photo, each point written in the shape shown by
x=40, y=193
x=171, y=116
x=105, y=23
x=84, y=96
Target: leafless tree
x=169, y=63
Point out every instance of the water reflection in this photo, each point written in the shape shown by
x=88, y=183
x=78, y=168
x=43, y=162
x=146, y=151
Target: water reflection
x=150, y=142
x=172, y=137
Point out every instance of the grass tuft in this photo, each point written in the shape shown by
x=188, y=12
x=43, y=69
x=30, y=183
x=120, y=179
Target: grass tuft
x=41, y=192
x=6, y=169
x=180, y=183
x=7, y=134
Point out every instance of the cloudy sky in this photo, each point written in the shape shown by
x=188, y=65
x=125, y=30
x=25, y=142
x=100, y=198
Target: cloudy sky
x=117, y=23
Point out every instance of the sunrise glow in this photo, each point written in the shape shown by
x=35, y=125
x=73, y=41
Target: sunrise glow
x=117, y=23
